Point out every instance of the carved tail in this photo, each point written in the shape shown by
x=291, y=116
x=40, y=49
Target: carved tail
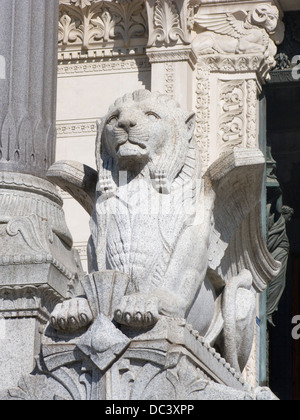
x=229, y=307
x=234, y=347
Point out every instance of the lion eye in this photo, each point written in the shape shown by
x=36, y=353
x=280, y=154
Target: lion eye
x=152, y=115
x=113, y=119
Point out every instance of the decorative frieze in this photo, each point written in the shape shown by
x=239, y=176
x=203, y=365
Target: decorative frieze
x=103, y=66
x=252, y=114
x=231, y=120
x=93, y=24
x=202, y=130
x=76, y=128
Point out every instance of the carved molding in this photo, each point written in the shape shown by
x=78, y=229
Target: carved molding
x=102, y=66
x=32, y=242
x=23, y=195
x=236, y=64
x=28, y=301
x=231, y=120
x=202, y=130
x=76, y=128
x=90, y=24
x=238, y=114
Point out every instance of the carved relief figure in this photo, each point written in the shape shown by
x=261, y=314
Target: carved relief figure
x=176, y=238
x=239, y=32
x=278, y=245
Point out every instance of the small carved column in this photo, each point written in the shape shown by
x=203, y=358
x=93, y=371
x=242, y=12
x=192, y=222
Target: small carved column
x=169, y=50
x=36, y=259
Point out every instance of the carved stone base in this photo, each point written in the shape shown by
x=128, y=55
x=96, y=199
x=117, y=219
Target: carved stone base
x=169, y=362
x=37, y=268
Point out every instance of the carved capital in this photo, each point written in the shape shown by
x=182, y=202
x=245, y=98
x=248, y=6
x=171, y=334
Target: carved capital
x=249, y=31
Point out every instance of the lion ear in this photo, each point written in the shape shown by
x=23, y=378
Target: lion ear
x=190, y=124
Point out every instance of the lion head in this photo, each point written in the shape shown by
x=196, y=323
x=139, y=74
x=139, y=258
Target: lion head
x=143, y=133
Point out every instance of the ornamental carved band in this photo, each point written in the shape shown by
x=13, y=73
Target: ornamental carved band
x=88, y=24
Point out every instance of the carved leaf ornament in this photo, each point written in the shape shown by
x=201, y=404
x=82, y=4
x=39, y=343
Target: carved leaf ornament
x=167, y=28
x=88, y=23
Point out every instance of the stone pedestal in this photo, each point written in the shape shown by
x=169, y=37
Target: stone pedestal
x=171, y=362
x=36, y=259
x=106, y=361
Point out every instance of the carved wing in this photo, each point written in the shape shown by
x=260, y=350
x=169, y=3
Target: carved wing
x=236, y=241
x=231, y=24
x=77, y=179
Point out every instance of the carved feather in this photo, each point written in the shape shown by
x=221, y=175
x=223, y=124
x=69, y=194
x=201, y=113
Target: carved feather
x=236, y=241
x=231, y=24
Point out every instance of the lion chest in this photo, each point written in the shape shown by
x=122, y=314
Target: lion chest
x=140, y=239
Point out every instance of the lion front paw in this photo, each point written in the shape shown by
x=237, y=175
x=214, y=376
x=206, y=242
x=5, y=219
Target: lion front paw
x=71, y=315
x=139, y=311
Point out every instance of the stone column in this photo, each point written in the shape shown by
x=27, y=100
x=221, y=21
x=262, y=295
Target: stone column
x=36, y=257
x=28, y=43
x=235, y=47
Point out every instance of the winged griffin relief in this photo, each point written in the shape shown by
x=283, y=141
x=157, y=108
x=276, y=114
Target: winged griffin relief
x=166, y=240
x=240, y=32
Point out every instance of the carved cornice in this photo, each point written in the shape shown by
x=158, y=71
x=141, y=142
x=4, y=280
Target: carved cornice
x=28, y=301
x=157, y=55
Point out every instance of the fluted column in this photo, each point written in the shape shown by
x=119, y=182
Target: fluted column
x=37, y=263
x=28, y=45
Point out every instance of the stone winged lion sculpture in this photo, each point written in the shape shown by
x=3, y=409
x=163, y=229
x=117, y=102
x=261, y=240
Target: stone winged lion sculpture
x=189, y=246
x=239, y=32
